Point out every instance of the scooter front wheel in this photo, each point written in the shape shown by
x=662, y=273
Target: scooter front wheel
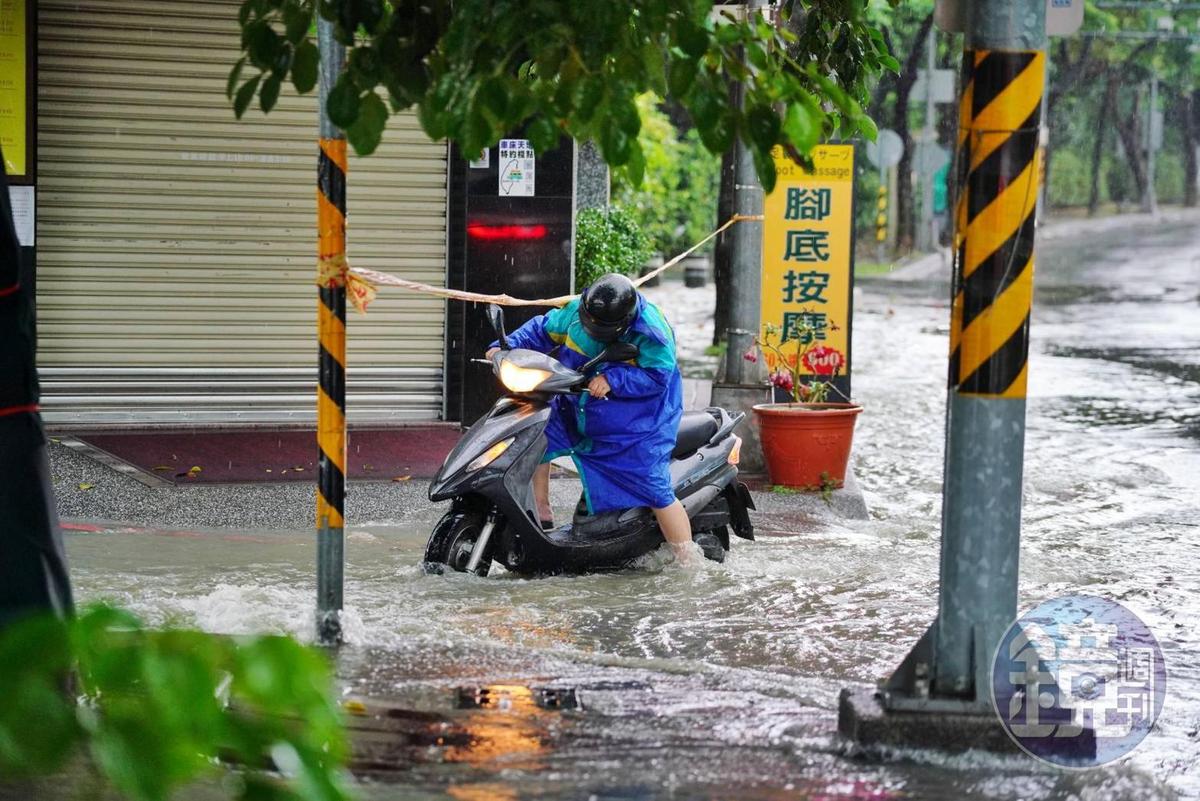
x=452, y=541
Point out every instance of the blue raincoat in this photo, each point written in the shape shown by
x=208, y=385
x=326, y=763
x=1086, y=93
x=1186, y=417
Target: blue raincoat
x=621, y=444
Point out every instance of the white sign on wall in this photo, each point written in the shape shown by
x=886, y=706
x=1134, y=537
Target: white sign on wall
x=24, y=214
x=516, y=168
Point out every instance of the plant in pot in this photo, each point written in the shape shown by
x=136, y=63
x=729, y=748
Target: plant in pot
x=806, y=442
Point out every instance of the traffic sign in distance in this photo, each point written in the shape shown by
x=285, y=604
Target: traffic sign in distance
x=888, y=144
x=943, y=87
x=930, y=157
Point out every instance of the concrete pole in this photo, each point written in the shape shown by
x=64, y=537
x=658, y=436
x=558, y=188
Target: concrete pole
x=331, y=359
x=926, y=238
x=745, y=295
x=742, y=387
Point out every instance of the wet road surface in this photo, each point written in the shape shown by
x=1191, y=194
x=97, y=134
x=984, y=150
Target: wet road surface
x=721, y=682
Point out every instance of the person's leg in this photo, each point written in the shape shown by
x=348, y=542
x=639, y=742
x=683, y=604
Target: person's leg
x=541, y=492
x=677, y=530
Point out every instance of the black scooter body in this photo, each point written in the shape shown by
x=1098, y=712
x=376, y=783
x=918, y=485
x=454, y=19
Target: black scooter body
x=494, y=502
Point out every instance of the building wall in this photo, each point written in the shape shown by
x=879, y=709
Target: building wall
x=176, y=245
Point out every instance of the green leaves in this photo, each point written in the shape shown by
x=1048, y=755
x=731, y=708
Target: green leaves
x=234, y=75
x=244, y=95
x=342, y=104
x=154, y=715
x=764, y=165
x=305, y=67
x=801, y=126
x=270, y=93
x=297, y=19
x=543, y=135
x=38, y=729
x=477, y=71
x=683, y=73
x=366, y=132
x=261, y=43
x=690, y=37
x=763, y=127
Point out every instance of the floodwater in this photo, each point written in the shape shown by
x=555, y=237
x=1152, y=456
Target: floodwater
x=721, y=682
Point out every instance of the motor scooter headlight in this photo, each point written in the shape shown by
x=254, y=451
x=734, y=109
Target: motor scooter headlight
x=521, y=379
x=490, y=455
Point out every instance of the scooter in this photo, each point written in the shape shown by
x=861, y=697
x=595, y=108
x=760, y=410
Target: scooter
x=488, y=478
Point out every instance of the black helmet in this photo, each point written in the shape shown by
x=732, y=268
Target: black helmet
x=608, y=306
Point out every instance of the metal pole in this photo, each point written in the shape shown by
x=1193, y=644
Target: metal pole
x=1043, y=146
x=882, y=212
x=927, y=238
x=331, y=364
x=1003, y=80
x=745, y=296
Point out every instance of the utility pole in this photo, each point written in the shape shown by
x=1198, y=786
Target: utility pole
x=1150, y=195
x=947, y=675
x=742, y=388
x=331, y=359
x=746, y=286
x=926, y=239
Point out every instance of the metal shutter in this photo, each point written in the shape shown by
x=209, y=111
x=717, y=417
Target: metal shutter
x=176, y=245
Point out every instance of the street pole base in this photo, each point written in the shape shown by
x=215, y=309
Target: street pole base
x=329, y=627
x=743, y=398
x=865, y=721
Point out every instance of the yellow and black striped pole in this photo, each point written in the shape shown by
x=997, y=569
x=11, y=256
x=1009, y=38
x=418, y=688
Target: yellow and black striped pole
x=1000, y=114
x=1003, y=73
x=993, y=277
x=331, y=359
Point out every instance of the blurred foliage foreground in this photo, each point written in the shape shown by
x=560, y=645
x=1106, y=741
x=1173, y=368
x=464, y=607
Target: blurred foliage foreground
x=152, y=710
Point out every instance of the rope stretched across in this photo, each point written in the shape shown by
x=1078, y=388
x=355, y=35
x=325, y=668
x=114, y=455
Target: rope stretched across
x=361, y=283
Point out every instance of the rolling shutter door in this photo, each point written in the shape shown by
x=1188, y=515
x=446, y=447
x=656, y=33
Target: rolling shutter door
x=176, y=245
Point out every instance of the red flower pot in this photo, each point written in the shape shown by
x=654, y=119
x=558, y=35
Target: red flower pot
x=803, y=440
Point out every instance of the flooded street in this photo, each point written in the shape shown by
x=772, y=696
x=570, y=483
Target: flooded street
x=721, y=682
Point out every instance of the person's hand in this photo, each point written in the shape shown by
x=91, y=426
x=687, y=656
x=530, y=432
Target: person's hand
x=599, y=387
x=491, y=353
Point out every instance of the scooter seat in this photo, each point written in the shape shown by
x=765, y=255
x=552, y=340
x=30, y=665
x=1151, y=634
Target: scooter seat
x=695, y=430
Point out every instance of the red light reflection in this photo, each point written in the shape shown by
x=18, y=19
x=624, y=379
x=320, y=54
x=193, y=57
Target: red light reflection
x=495, y=232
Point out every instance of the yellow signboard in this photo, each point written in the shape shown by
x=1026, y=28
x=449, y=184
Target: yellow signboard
x=808, y=263
x=14, y=74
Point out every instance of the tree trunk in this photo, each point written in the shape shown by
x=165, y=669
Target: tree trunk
x=1189, y=103
x=1106, y=105
x=723, y=252
x=905, y=219
x=1129, y=128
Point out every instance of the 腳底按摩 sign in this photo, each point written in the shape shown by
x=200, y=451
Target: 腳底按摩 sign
x=807, y=255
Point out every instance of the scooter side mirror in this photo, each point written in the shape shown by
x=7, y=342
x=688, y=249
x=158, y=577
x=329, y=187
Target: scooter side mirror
x=615, y=352
x=496, y=317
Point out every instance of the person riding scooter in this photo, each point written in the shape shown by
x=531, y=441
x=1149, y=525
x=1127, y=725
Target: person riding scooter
x=621, y=431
